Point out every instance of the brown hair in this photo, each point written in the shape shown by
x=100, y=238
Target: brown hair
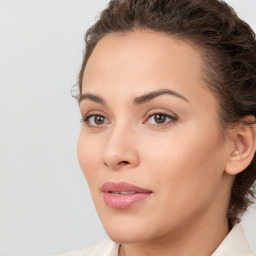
x=228, y=47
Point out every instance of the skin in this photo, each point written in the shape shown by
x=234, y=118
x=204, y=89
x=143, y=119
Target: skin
x=183, y=162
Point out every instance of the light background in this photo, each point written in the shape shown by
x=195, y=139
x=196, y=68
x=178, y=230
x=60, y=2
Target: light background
x=45, y=205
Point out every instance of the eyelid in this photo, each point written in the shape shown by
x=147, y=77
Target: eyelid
x=93, y=113
x=173, y=118
x=162, y=112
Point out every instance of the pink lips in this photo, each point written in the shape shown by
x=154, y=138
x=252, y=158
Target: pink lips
x=123, y=195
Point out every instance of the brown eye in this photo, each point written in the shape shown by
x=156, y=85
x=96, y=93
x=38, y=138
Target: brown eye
x=159, y=119
x=96, y=120
x=99, y=120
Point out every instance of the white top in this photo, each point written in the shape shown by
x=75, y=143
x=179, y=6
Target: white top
x=234, y=244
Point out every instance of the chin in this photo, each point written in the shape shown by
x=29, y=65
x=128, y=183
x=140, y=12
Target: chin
x=121, y=237
x=126, y=229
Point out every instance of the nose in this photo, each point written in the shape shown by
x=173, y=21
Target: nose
x=120, y=149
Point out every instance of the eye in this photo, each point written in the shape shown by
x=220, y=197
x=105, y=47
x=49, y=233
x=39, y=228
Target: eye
x=96, y=120
x=160, y=119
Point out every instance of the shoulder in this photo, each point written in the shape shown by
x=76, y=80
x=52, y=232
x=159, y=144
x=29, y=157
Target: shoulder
x=235, y=244
x=104, y=247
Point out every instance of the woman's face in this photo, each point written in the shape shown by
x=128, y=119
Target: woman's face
x=151, y=122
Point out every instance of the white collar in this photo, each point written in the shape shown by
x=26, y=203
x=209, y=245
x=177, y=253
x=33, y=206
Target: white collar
x=234, y=244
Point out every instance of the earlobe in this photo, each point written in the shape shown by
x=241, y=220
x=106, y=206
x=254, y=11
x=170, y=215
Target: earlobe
x=243, y=148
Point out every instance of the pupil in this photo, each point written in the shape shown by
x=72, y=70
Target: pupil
x=99, y=119
x=160, y=119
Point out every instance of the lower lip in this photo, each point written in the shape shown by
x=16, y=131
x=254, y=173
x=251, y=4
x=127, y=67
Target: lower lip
x=123, y=201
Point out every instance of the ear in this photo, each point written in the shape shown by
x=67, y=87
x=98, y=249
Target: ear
x=243, y=146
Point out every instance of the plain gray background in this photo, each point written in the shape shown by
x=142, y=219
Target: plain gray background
x=45, y=203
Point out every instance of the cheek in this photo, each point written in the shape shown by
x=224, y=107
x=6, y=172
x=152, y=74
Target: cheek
x=185, y=170
x=88, y=153
x=186, y=163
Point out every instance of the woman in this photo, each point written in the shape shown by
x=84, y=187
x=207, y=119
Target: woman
x=167, y=144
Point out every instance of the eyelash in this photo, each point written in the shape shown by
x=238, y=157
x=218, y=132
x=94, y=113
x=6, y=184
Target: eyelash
x=171, y=118
x=87, y=120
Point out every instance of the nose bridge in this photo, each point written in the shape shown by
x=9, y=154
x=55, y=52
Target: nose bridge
x=120, y=148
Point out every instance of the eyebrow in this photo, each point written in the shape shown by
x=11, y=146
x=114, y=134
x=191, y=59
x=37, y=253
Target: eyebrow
x=151, y=95
x=138, y=100
x=92, y=97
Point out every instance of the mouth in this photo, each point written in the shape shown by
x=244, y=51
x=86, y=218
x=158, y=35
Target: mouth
x=123, y=195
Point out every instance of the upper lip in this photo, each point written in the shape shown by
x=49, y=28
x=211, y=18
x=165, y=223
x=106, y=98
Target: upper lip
x=122, y=187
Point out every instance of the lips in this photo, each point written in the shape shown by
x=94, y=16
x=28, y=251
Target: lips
x=123, y=195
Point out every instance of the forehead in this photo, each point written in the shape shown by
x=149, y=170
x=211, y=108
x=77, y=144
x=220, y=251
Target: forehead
x=140, y=61
x=138, y=51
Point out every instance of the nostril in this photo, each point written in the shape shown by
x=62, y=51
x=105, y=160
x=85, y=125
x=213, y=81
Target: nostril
x=123, y=163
